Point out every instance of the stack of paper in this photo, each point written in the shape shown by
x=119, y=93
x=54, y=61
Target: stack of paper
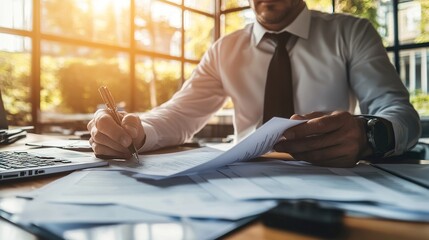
x=208, y=183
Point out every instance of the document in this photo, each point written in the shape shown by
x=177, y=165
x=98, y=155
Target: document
x=76, y=221
x=76, y=145
x=300, y=180
x=46, y=212
x=245, y=189
x=417, y=173
x=178, y=197
x=200, y=160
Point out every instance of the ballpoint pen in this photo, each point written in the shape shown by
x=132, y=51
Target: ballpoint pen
x=113, y=111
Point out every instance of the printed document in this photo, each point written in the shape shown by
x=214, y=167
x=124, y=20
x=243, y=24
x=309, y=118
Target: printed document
x=178, y=197
x=203, y=159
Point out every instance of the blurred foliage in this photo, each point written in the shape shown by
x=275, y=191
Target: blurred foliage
x=228, y=4
x=362, y=8
x=79, y=83
x=155, y=92
x=15, y=86
x=420, y=102
x=108, y=22
x=424, y=24
x=199, y=36
x=70, y=85
x=238, y=19
x=320, y=5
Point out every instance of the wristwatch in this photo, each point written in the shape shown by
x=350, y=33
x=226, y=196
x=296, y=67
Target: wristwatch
x=379, y=133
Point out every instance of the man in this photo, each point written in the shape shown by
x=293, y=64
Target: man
x=334, y=61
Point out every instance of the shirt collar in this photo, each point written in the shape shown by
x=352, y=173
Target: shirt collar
x=299, y=27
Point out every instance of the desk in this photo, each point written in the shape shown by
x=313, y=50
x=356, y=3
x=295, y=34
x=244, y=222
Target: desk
x=356, y=228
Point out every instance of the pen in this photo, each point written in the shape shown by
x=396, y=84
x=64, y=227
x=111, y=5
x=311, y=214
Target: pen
x=112, y=109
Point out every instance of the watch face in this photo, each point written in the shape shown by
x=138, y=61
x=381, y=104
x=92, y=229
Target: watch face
x=380, y=137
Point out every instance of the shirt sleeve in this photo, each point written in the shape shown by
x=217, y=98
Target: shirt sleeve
x=377, y=86
x=189, y=109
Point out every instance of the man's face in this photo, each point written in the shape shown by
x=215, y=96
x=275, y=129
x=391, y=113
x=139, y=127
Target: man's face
x=274, y=12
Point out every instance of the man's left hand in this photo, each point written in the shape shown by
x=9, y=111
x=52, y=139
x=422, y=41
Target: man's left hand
x=335, y=139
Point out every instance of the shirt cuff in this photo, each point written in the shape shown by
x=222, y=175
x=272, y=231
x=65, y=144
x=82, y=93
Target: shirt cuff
x=151, y=138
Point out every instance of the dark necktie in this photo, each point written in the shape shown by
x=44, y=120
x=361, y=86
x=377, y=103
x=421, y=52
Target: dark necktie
x=278, y=100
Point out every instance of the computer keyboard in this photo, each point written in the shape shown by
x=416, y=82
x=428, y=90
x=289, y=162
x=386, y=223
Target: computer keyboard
x=10, y=160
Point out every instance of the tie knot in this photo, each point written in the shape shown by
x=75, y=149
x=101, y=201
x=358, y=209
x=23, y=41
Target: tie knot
x=279, y=38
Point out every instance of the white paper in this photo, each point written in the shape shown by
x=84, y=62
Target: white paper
x=179, y=197
x=45, y=212
x=299, y=180
x=227, y=210
x=189, y=162
x=228, y=192
x=78, y=145
x=381, y=211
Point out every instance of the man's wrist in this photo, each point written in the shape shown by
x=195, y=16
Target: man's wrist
x=379, y=134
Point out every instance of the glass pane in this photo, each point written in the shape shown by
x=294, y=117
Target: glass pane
x=236, y=20
x=189, y=69
x=71, y=76
x=198, y=33
x=145, y=73
x=158, y=27
x=414, y=74
x=157, y=81
x=413, y=21
x=228, y=4
x=320, y=5
x=205, y=6
x=15, y=70
x=378, y=12
x=105, y=21
x=16, y=14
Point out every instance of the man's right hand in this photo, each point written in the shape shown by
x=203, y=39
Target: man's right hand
x=109, y=140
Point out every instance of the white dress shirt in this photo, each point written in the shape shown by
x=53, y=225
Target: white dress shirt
x=337, y=61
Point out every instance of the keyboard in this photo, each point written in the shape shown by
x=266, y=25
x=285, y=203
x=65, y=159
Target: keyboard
x=10, y=160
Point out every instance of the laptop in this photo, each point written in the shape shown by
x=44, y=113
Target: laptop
x=43, y=161
x=39, y=161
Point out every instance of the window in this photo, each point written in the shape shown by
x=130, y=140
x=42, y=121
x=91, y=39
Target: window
x=404, y=27
x=55, y=54
x=51, y=65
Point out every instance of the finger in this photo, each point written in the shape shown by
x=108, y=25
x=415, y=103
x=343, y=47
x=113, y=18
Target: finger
x=310, y=115
x=132, y=125
x=309, y=143
x=90, y=125
x=92, y=122
x=320, y=155
x=106, y=125
x=317, y=126
x=105, y=152
x=335, y=156
x=297, y=117
x=98, y=137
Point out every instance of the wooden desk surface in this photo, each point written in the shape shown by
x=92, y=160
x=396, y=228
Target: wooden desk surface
x=356, y=228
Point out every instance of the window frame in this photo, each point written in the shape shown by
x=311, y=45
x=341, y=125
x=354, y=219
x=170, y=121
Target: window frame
x=133, y=51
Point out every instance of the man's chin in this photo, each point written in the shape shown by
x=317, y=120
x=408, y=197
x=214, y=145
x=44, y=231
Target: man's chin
x=271, y=18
